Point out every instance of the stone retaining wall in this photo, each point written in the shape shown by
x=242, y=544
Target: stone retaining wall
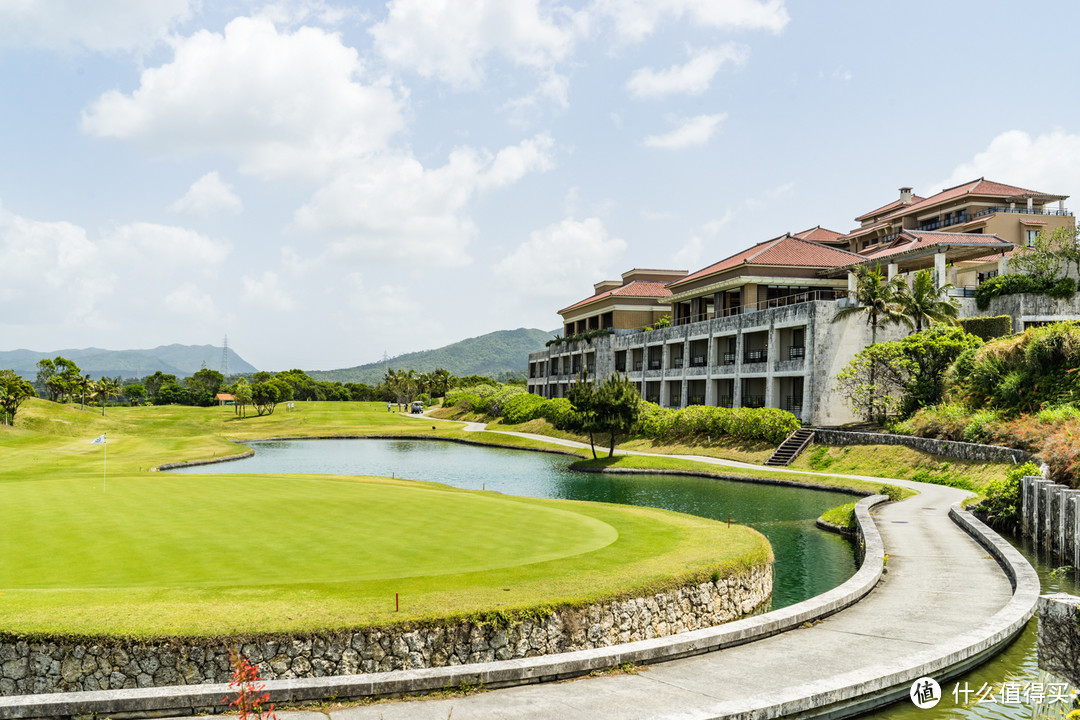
x=947, y=448
x=1059, y=636
x=43, y=666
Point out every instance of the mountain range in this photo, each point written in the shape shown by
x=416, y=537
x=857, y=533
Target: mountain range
x=495, y=354
x=179, y=360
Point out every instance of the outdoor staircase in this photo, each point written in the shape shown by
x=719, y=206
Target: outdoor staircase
x=790, y=448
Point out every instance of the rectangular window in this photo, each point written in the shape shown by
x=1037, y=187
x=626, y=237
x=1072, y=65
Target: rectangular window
x=1031, y=236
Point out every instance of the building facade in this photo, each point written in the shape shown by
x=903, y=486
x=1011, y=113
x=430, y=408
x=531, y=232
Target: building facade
x=757, y=329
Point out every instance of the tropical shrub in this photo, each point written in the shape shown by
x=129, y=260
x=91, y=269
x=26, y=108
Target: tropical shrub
x=1003, y=503
x=560, y=413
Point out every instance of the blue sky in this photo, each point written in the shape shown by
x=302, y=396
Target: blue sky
x=325, y=182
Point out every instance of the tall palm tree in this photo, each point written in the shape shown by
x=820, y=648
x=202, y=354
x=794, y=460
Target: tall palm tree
x=924, y=303
x=877, y=299
x=108, y=388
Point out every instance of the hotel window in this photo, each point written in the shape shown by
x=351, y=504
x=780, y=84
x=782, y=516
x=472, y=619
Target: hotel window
x=1031, y=236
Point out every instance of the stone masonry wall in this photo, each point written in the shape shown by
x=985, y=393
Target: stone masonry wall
x=42, y=666
x=948, y=448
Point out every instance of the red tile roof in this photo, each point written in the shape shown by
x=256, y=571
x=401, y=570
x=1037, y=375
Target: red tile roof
x=785, y=250
x=885, y=208
x=916, y=239
x=859, y=232
x=1032, y=222
x=820, y=235
x=637, y=288
x=982, y=186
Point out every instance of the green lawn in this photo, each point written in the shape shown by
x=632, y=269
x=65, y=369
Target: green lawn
x=156, y=553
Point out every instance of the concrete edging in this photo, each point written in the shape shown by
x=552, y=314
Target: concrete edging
x=870, y=687
x=188, y=699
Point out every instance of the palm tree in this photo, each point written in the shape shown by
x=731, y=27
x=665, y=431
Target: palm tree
x=924, y=303
x=84, y=385
x=108, y=388
x=877, y=299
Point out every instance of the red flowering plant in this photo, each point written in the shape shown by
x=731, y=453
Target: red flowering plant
x=251, y=696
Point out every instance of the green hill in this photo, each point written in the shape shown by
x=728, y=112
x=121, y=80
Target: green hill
x=179, y=360
x=494, y=354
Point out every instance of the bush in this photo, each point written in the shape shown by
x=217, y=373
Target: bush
x=523, y=408
x=497, y=401
x=700, y=422
x=1003, y=503
x=1010, y=284
x=947, y=421
x=987, y=328
x=560, y=413
x=1062, y=288
x=891, y=491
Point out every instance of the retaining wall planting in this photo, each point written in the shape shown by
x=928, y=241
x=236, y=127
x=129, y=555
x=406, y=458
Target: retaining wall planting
x=42, y=665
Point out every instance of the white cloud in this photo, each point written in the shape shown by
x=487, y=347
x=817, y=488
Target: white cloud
x=560, y=262
x=189, y=299
x=98, y=25
x=394, y=208
x=1047, y=163
x=153, y=246
x=285, y=104
x=450, y=39
x=51, y=270
x=690, y=133
x=266, y=291
x=208, y=196
x=689, y=255
x=634, y=20
x=693, y=78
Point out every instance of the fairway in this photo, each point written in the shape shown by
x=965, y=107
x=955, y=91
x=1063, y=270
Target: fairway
x=147, y=554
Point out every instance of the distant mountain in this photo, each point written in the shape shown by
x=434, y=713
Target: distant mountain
x=179, y=360
x=494, y=354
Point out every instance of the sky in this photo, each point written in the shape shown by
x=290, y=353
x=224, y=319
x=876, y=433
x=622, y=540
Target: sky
x=325, y=182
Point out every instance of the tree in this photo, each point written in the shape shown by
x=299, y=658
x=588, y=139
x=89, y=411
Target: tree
x=582, y=397
x=108, y=388
x=877, y=299
x=1043, y=258
x=925, y=303
x=85, y=386
x=205, y=382
x=1067, y=240
x=13, y=392
x=241, y=397
x=135, y=393
x=155, y=381
x=617, y=406
x=46, y=371
x=65, y=379
x=901, y=376
x=264, y=396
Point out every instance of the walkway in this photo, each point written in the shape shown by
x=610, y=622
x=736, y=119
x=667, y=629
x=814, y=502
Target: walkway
x=940, y=585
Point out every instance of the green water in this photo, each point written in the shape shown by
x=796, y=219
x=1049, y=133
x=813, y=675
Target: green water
x=808, y=561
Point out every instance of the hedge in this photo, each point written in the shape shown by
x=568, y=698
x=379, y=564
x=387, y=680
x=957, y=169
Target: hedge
x=1014, y=283
x=988, y=328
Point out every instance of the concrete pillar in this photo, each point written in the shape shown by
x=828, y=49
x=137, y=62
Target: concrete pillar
x=1061, y=207
x=1027, y=505
x=1031, y=204
x=1003, y=266
x=894, y=269
x=852, y=285
x=939, y=268
x=684, y=393
x=736, y=384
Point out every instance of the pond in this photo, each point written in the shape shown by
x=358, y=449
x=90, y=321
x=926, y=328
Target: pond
x=808, y=560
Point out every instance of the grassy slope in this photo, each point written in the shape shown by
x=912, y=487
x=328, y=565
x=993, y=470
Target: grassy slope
x=213, y=554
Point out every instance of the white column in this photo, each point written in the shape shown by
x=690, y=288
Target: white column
x=1031, y=204
x=852, y=285
x=939, y=268
x=1003, y=265
x=893, y=270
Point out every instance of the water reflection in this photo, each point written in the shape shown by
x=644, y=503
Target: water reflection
x=808, y=561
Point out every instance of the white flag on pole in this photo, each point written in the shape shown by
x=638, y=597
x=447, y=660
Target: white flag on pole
x=99, y=440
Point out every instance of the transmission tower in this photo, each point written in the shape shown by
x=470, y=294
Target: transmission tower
x=225, y=357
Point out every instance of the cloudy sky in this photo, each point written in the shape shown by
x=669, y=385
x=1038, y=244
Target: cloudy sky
x=325, y=182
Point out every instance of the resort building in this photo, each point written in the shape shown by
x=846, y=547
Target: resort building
x=757, y=329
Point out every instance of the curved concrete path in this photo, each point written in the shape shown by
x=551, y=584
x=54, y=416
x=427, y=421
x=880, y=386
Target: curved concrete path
x=941, y=589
